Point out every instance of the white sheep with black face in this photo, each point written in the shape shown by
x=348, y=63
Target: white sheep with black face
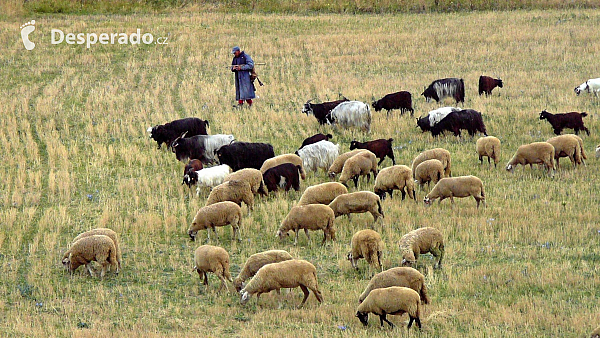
x=589, y=86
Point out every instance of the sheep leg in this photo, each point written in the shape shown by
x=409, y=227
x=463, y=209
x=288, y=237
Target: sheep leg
x=379, y=163
x=90, y=269
x=480, y=159
x=307, y=235
x=392, y=157
x=410, y=322
x=355, y=179
x=306, y=294
x=418, y=321
x=296, y=236
x=403, y=194
x=235, y=233
x=205, y=278
x=368, y=177
x=223, y=283
x=383, y=318
x=215, y=231
x=451, y=199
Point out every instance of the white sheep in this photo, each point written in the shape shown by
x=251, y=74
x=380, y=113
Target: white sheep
x=399, y=276
x=287, y=274
x=366, y=244
x=488, y=146
x=361, y=164
x=395, y=300
x=208, y=177
x=437, y=115
x=566, y=146
x=209, y=258
x=257, y=261
x=351, y=114
x=84, y=251
x=421, y=241
x=322, y=193
x=338, y=164
x=357, y=202
x=308, y=217
x=234, y=191
x=318, y=155
x=397, y=177
x=589, y=86
x=253, y=176
x=533, y=153
x=440, y=154
x=461, y=186
x=281, y=159
x=106, y=232
x=216, y=215
x=429, y=171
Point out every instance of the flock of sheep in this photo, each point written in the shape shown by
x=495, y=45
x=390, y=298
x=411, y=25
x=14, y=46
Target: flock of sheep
x=394, y=291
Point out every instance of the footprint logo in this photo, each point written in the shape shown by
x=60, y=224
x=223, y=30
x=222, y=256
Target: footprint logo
x=26, y=29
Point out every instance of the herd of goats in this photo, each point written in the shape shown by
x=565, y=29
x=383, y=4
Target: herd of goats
x=235, y=172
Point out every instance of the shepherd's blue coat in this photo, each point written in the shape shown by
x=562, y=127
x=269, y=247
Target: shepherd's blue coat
x=244, y=89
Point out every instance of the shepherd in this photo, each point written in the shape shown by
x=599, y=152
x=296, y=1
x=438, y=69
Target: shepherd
x=242, y=65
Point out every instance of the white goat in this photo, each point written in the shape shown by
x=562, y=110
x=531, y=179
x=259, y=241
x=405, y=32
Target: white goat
x=351, y=114
x=318, y=155
x=590, y=86
x=208, y=177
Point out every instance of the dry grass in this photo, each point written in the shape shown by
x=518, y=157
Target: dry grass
x=75, y=156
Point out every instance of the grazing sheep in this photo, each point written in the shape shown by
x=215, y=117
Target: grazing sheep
x=308, y=217
x=234, y=191
x=487, y=84
x=338, y=163
x=318, y=155
x=361, y=164
x=429, y=171
x=322, y=193
x=571, y=120
x=216, y=215
x=589, y=86
x=366, y=244
x=395, y=300
x=422, y=241
x=314, y=139
x=209, y=258
x=253, y=176
x=381, y=148
x=281, y=159
x=461, y=186
x=440, y=154
x=566, y=146
x=356, y=203
x=192, y=166
x=207, y=177
x=397, y=177
x=596, y=333
x=351, y=114
x=285, y=175
x=400, y=276
x=488, y=146
x=533, y=153
x=257, y=261
x=287, y=274
x=99, y=248
x=106, y=232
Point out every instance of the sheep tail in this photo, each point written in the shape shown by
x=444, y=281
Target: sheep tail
x=482, y=192
x=423, y=294
x=112, y=259
x=582, y=149
x=226, y=272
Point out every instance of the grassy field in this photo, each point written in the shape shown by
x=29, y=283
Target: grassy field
x=75, y=155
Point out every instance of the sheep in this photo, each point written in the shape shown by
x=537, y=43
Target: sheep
x=572, y=120
x=596, y=333
x=308, y=217
x=366, y=244
x=362, y=164
x=285, y=175
x=322, y=193
x=488, y=146
x=207, y=177
x=533, y=153
x=590, y=86
x=461, y=186
x=380, y=147
x=357, y=202
x=338, y=163
x=421, y=241
x=399, y=276
x=209, y=258
x=441, y=154
x=106, y=232
x=234, y=191
x=99, y=248
x=429, y=171
x=253, y=176
x=566, y=146
x=397, y=177
x=192, y=166
x=257, y=261
x=286, y=158
x=287, y=274
x=216, y=215
x=395, y=300
x=318, y=155
x=351, y=114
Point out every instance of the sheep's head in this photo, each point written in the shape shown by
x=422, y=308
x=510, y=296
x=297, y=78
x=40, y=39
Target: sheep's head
x=307, y=109
x=427, y=201
x=238, y=285
x=67, y=262
x=353, y=145
x=149, y=130
x=349, y=256
x=245, y=296
x=499, y=82
x=193, y=233
x=363, y=317
x=544, y=114
x=281, y=234
x=510, y=168
x=408, y=259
